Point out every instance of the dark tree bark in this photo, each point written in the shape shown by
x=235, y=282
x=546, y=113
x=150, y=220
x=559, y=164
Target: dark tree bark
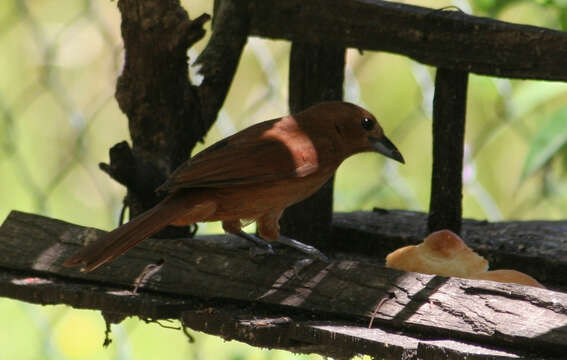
x=221, y=56
x=156, y=95
x=449, y=111
x=167, y=115
x=316, y=74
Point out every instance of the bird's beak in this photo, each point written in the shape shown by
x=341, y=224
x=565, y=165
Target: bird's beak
x=385, y=147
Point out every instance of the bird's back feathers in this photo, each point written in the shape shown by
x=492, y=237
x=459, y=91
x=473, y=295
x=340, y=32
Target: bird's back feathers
x=271, y=151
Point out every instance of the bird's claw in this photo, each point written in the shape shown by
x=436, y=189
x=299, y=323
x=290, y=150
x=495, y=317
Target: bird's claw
x=258, y=250
x=262, y=247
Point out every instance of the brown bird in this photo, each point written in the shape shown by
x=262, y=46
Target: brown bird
x=252, y=175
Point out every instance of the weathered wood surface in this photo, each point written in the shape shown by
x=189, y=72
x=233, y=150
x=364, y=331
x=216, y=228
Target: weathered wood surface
x=216, y=271
x=339, y=338
x=316, y=74
x=448, y=39
x=51, y=290
x=449, y=113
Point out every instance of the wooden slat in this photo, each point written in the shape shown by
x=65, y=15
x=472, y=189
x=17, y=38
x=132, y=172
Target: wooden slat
x=316, y=74
x=252, y=324
x=49, y=290
x=448, y=39
x=218, y=267
x=449, y=112
x=387, y=344
x=254, y=328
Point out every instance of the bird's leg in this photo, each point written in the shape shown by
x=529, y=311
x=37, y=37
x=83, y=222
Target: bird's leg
x=298, y=245
x=235, y=227
x=269, y=228
x=304, y=248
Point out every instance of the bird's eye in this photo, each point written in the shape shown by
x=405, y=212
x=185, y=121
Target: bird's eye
x=367, y=123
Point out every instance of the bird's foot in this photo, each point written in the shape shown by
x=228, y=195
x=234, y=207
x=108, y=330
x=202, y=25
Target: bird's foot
x=254, y=251
x=304, y=248
x=261, y=247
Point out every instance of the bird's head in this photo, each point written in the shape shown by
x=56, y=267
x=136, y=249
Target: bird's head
x=356, y=129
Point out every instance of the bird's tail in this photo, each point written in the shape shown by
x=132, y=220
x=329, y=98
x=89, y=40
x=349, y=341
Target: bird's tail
x=118, y=241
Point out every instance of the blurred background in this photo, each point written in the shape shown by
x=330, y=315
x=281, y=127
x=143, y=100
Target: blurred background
x=58, y=118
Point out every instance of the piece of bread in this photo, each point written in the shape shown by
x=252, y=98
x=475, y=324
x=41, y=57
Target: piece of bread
x=445, y=253
x=508, y=276
x=442, y=253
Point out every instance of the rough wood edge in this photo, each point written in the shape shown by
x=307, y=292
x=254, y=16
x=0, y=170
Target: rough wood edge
x=449, y=39
x=449, y=112
x=448, y=308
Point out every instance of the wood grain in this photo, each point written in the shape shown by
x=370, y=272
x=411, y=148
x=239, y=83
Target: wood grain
x=218, y=268
x=437, y=37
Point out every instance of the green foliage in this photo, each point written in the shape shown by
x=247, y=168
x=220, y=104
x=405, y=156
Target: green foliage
x=550, y=137
x=548, y=142
x=533, y=95
x=492, y=7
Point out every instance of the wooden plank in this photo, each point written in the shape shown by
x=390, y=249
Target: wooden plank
x=449, y=112
x=316, y=74
x=49, y=290
x=251, y=324
x=383, y=343
x=257, y=326
x=218, y=267
x=448, y=39
x=235, y=323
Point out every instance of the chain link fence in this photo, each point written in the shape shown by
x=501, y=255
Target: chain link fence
x=58, y=118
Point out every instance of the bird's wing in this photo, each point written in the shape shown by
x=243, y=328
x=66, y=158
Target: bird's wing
x=233, y=162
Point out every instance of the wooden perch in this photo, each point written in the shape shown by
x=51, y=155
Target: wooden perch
x=441, y=38
x=213, y=285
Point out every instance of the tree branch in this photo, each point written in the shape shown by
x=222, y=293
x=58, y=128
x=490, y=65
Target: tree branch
x=155, y=94
x=221, y=56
